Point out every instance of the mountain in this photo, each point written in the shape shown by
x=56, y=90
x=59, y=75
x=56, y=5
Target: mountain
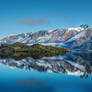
x=71, y=38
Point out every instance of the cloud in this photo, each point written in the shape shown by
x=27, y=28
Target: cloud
x=33, y=21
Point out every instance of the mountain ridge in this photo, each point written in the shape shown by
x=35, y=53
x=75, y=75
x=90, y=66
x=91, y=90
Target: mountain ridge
x=71, y=38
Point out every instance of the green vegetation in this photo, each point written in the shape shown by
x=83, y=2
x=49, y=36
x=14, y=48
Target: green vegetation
x=20, y=50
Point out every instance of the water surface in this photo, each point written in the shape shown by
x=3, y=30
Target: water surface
x=69, y=73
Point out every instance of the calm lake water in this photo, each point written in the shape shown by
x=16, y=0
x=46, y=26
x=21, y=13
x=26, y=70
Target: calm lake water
x=69, y=73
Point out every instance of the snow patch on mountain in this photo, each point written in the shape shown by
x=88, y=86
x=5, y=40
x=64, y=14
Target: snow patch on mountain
x=78, y=29
x=77, y=36
x=53, y=44
x=44, y=38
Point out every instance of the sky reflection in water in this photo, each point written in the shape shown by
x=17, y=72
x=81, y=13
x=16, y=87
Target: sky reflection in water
x=70, y=73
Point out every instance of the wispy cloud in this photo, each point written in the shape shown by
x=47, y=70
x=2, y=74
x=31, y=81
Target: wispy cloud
x=33, y=21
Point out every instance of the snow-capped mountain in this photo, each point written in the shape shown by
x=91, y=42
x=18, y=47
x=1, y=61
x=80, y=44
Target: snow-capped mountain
x=71, y=38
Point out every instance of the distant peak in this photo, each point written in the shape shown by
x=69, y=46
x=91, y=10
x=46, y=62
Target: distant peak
x=84, y=26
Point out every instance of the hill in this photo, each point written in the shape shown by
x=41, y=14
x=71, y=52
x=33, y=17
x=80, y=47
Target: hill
x=21, y=50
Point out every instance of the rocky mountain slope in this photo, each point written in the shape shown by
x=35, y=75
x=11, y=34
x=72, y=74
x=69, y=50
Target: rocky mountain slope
x=71, y=38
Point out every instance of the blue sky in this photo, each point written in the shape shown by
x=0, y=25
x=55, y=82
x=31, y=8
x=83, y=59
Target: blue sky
x=22, y=16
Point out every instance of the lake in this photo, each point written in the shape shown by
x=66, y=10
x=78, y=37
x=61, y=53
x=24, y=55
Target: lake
x=68, y=73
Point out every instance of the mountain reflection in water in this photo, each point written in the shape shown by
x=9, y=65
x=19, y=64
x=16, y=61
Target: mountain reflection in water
x=75, y=63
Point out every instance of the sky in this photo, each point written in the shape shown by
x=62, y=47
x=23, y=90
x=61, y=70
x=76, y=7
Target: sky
x=22, y=16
